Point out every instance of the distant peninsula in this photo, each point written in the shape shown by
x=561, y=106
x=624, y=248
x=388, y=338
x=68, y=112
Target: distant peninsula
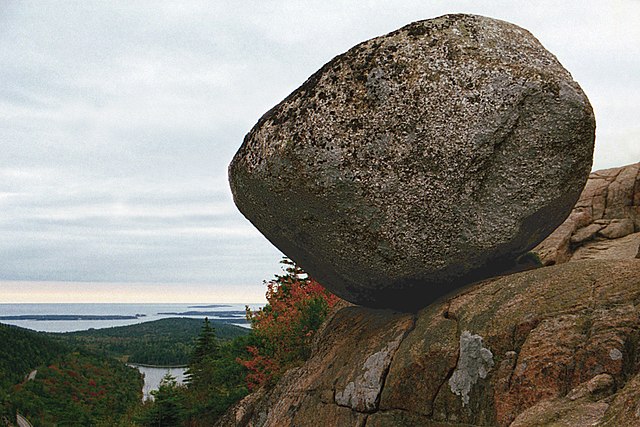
x=47, y=317
x=232, y=313
x=209, y=306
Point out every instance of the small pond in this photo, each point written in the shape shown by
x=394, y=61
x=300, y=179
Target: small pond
x=153, y=375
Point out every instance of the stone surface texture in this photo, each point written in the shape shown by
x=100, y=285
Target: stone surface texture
x=552, y=346
x=419, y=161
x=605, y=222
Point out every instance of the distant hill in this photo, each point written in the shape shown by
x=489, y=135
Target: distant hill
x=67, y=387
x=160, y=342
x=22, y=350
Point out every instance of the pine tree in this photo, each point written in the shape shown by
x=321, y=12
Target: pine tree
x=169, y=406
x=207, y=344
x=207, y=348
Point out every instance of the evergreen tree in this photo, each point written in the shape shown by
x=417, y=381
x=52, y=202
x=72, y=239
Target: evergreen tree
x=169, y=406
x=206, y=344
x=207, y=349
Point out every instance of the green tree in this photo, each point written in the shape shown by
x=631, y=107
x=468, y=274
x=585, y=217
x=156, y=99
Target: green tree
x=217, y=383
x=169, y=407
x=207, y=343
x=207, y=349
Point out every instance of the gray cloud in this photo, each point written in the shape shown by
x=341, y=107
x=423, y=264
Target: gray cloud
x=118, y=119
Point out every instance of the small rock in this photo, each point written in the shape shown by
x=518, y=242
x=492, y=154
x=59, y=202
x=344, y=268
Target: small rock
x=603, y=222
x=585, y=233
x=581, y=218
x=598, y=385
x=617, y=228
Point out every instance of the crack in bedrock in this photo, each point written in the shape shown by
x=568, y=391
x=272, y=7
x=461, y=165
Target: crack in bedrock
x=449, y=316
x=363, y=394
x=383, y=381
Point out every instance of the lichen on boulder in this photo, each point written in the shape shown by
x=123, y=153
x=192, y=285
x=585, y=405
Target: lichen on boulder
x=419, y=161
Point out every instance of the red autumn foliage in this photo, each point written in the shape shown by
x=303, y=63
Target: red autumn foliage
x=261, y=369
x=284, y=327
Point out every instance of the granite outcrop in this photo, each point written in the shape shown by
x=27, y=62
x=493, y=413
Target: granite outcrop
x=555, y=345
x=605, y=222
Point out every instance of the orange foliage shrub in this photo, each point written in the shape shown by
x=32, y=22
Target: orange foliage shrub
x=284, y=327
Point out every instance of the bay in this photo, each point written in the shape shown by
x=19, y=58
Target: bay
x=231, y=313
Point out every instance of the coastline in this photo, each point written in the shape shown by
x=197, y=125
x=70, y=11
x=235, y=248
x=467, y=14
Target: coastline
x=144, y=365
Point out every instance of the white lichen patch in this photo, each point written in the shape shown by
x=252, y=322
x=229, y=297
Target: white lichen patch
x=362, y=393
x=475, y=361
x=615, y=354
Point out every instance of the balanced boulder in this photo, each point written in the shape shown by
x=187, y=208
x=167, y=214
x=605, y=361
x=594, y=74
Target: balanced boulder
x=419, y=161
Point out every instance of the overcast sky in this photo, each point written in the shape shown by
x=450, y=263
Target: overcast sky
x=118, y=120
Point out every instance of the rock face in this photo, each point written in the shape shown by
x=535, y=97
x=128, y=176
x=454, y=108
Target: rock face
x=605, y=222
x=556, y=345
x=419, y=161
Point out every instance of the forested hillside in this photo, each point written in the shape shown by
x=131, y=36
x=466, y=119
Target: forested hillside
x=161, y=342
x=21, y=350
x=80, y=390
x=65, y=387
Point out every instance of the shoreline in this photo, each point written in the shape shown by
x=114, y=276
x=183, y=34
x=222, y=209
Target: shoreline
x=144, y=365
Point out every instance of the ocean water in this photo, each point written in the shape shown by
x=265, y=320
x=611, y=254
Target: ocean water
x=233, y=313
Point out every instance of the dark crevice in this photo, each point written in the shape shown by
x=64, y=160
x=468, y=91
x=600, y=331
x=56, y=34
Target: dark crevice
x=442, y=384
x=447, y=377
x=447, y=313
x=630, y=362
x=514, y=338
x=518, y=342
x=512, y=371
x=385, y=373
x=605, y=195
x=414, y=320
x=516, y=350
x=592, y=298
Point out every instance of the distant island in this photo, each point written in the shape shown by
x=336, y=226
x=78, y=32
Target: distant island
x=235, y=321
x=231, y=313
x=209, y=306
x=71, y=317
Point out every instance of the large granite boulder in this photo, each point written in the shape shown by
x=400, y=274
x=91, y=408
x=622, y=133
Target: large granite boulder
x=551, y=346
x=419, y=161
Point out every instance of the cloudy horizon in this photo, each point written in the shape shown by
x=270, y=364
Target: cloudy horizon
x=118, y=121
